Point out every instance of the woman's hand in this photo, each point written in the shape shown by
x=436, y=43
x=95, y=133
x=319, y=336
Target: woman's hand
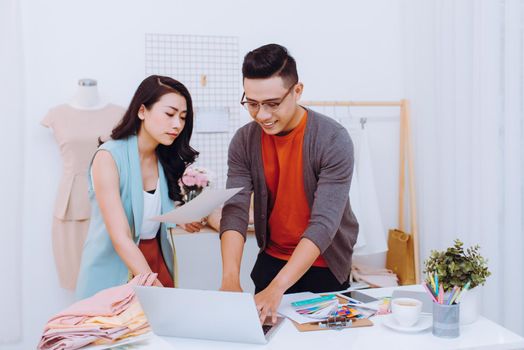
x=193, y=227
x=157, y=283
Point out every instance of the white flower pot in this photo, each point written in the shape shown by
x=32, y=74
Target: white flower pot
x=470, y=306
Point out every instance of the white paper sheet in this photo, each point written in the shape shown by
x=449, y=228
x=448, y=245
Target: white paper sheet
x=285, y=308
x=199, y=207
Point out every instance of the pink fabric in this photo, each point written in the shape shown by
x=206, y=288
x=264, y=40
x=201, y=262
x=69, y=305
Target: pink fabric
x=107, y=302
x=74, y=338
x=65, y=330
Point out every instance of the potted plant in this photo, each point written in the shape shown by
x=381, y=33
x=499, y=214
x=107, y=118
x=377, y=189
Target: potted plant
x=458, y=267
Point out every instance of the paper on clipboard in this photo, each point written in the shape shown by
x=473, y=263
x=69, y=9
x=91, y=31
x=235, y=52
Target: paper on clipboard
x=319, y=326
x=199, y=207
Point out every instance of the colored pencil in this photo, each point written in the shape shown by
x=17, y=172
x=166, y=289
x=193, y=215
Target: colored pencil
x=455, y=295
x=429, y=292
x=441, y=295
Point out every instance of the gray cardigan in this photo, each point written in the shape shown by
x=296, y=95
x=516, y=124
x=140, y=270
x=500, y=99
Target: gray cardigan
x=328, y=168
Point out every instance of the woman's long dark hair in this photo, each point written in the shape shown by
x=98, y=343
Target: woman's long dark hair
x=176, y=157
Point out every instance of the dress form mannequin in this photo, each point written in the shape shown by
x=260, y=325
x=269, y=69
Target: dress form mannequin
x=77, y=126
x=87, y=96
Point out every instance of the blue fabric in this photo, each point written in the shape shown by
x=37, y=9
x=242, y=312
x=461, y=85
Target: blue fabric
x=101, y=267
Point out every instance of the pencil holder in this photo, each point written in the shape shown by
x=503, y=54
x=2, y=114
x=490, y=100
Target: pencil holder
x=446, y=320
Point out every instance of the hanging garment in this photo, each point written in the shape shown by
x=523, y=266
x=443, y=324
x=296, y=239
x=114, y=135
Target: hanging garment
x=364, y=200
x=76, y=132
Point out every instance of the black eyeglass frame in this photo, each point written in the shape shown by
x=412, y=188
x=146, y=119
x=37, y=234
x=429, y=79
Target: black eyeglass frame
x=260, y=104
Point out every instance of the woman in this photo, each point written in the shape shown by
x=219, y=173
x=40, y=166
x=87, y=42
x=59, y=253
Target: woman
x=133, y=177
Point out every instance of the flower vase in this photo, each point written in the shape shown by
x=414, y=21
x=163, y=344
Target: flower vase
x=191, y=194
x=470, y=306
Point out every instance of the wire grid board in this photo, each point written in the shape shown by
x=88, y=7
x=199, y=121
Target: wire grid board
x=209, y=67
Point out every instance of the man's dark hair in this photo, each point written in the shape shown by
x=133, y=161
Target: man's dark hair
x=268, y=61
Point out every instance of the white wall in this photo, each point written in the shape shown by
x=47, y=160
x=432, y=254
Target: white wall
x=344, y=49
x=12, y=102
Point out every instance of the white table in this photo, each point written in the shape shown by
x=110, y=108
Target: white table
x=483, y=334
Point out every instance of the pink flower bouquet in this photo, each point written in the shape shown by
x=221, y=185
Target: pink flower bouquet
x=193, y=182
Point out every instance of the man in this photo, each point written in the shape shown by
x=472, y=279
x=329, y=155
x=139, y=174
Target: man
x=299, y=165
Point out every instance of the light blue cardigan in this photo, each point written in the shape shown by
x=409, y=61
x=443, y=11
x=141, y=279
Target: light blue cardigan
x=101, y=267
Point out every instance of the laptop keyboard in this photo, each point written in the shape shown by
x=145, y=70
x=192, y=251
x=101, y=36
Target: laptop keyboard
x=266, y=328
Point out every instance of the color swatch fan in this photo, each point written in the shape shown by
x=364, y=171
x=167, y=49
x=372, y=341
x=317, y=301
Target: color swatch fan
x=318, y=308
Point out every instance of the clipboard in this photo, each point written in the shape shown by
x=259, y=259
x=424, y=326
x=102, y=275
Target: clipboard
x=332, y=325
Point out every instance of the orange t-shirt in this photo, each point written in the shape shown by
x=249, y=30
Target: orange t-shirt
x=288, y=205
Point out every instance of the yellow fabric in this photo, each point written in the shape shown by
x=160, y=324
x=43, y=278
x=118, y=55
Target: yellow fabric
x=132, y=318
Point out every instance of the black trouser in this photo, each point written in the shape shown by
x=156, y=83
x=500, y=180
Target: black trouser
x=316, y=279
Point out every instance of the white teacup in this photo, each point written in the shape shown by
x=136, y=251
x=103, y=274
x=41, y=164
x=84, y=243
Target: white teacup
x=406, y=311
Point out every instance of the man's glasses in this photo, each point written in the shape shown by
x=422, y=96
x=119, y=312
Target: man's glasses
x=253, y=107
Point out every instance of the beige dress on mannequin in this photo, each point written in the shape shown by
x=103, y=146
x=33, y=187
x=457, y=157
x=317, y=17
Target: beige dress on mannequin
x=76, y=132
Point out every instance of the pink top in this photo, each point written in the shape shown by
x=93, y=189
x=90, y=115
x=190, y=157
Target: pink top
x=77, y=132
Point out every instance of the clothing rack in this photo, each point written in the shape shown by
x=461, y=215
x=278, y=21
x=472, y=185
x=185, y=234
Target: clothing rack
x=406, y=156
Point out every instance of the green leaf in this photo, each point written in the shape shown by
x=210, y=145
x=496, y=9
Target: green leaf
x=456, y=266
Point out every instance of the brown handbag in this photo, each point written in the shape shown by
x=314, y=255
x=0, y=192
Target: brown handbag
x=400, y=257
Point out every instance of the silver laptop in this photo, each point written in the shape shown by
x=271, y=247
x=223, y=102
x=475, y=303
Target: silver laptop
x=204, y=314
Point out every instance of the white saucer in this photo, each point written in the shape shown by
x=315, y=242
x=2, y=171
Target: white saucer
x=424, y=322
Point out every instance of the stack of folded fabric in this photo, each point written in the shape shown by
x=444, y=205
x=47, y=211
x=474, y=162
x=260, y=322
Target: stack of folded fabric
x=375, y=277
x=110, y=315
